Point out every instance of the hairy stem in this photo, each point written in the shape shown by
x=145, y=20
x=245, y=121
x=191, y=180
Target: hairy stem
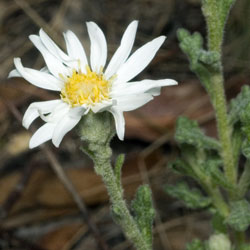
x=218, y=201
x=96, y=131
x=215, y=13
x=224, y=130
x=120, y=210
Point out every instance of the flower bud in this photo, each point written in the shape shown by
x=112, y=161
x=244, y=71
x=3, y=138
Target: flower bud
x=219, y=242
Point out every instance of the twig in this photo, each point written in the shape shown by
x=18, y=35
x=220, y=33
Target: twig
x=37, y=19
x=18, y=243
x=78, y=200
x=16, y=193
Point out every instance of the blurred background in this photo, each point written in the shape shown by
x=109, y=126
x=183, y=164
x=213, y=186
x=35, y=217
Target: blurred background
x=36, y=210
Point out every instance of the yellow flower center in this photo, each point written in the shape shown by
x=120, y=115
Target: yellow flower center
x=89, y=88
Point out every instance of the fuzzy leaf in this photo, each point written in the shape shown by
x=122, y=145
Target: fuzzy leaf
x=190, y=44
x=191, y=197
x=181, y=167
x=217, y=175
x=218, y=223
x=142, y=206
x=188, y=131
x=201, y=61
x=245, y=148
x=239, y=104
x=244, y=247
x=196, y=244
x=239, y=217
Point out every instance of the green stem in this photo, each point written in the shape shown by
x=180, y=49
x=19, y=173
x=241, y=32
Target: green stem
x=96, y=131
x=120, y=209
x=213, y=191
x=215, y=13
x=218, y=201
x=224, y=129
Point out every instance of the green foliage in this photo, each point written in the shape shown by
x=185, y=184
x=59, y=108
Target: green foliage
x=201, y=61
x=196, y=244
x=191, y=197
x=239, y=217
x=218, y=223
x=240, y=118
x=245, y=119
x=142, y=206
x=238, y=106
x=217, y=175
x=246, y=148
x=244, y=247
x=188, y=131
x=182, y=167
x=200, y=158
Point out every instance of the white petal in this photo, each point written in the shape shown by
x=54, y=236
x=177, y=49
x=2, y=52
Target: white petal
x=119, y=122
x=52, y=47
x=77, y=111
x=131, y=88
x=55, y=65
x=38, y=78
x=42, y=135
x=154, y=91
x=44, y=69
x=123, y=51
x=57, y=113
x=131, y=102
x=63, y=127
x=98, y=48
x=104, y=105
x=139, y=60
x=36, y=109
x=75, y=49
x=14, y=73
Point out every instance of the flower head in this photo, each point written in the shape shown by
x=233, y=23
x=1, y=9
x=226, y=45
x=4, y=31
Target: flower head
x=87, y=85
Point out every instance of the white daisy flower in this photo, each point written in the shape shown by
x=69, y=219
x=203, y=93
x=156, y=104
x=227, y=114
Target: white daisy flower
x=87, y=85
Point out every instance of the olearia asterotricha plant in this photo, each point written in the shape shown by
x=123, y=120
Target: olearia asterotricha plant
x=213, y=163
x=93, y=97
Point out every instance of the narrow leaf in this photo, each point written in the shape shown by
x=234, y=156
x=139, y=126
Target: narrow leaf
x=239, y=104
x=188, y=131
x=196, y=244
x=239, y=217
x=142, y=206
x=192, y=198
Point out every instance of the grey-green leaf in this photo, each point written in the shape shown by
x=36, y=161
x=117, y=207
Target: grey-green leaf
x=217, y=174
x=192, y=198
x=188, y=131
x=196, y=244
x=239, y=217
x=142, y=206
x=239, y=104
x=245, y=148
x=181, y=167
x=244, y=247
